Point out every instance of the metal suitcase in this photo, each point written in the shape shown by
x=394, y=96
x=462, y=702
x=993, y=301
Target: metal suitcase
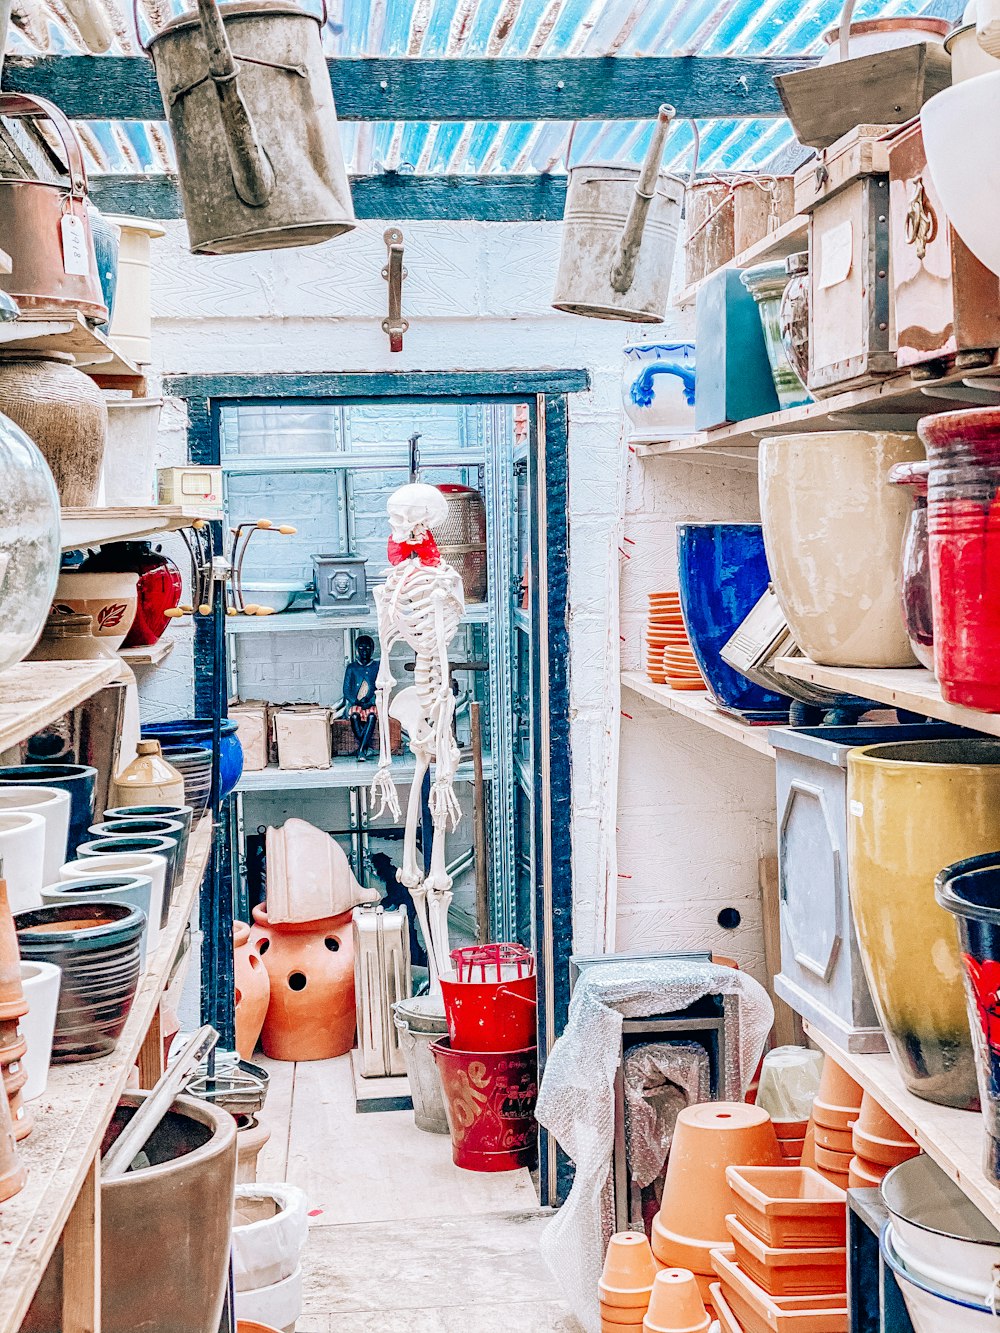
x=381, y=977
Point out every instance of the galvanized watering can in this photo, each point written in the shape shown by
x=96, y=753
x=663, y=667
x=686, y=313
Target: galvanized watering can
x=619, y=237
x=247, y=92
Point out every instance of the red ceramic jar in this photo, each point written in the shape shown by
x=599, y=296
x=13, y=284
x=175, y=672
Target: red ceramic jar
x=915, y=589
x=158, y=591
x=964, y=528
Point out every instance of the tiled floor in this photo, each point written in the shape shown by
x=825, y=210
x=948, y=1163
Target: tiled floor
x=401, y=1240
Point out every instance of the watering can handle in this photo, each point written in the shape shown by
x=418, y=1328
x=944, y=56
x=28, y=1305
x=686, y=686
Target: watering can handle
x=846, y=14
x=623, y=269
x=21, y=104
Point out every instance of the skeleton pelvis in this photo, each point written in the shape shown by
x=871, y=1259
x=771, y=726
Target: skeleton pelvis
x=408, y=711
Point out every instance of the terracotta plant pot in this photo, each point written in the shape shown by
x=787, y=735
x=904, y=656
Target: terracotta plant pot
x=311, y=1014
x=883, y=1152
x=862, y=1176
x=251, y=1139
x=629, y=1268
x=835, y=1140
x=914, y=807
x=253, y=990
x=833, y=531
x=837, y=1088
x=12, y=1002
x=251, y=1326
x=788, y=1206
x=708, y=1138
x=791, y=1150
x=830, y=1160
x=789, y=1129
x=727, y=1320
x=97, y=947
x=813, y=1271
x=876, y=1121
x=809, y=1144
x=12, y=1172
x=676, y=1305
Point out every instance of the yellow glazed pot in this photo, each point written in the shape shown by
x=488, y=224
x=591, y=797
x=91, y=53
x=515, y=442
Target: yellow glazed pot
x=912, y=809
x=833, y=532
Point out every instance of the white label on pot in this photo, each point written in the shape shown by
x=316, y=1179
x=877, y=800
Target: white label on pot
x=857, y=809
x=76, y=252
x=836, y=251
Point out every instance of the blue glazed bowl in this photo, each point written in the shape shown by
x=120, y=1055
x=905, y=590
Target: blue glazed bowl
x=77, y=779
x=723, y=573
x=197, y=731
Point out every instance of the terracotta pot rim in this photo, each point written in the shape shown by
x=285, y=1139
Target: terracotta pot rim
x=222, y=1124
x=896, y=23
x=294, y=927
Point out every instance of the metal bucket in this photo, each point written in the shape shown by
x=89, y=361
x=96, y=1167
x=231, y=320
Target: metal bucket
x=425, y=1082
x=247, y=93
x=619, y=237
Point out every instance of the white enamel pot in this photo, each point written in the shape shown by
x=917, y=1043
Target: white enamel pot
x=934, y=1307
x=54, y=807
x=40, y=983
x=22, y=851
x=961, y=127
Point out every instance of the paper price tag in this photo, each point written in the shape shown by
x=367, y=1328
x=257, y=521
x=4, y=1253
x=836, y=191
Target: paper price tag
x=76, y=252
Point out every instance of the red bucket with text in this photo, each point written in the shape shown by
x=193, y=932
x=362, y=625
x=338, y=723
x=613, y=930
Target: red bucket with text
x=489, y=1098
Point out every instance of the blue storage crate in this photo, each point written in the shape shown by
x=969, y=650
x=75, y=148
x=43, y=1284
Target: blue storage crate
x=734, y=375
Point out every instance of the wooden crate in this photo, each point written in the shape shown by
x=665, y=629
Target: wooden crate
x=345, y=743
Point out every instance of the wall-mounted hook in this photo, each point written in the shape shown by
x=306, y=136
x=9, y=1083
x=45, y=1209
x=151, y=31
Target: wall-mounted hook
x=394, y=273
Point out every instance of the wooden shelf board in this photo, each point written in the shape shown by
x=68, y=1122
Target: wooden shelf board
x=342, y=773
x=789, y=239
x=73, y=1113
x=94, y=525
x=151, y=656
x=697, y=707
x=908, y=687
x=895, y=403
x=954, y=1139
x=91, y=350
x=33, y=694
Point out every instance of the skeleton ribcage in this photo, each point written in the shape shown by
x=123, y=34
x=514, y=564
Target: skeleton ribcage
x=412, y=614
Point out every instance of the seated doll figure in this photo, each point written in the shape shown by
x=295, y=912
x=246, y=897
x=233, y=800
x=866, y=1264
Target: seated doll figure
x=359, y=694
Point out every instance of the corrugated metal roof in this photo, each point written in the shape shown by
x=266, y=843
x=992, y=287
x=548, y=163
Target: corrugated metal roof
x=498, y=28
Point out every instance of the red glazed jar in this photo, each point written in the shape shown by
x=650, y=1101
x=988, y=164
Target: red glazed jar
x=253, y=990
x=964, y=528
x=311, y=1014
x=915, y=588
x=158, y=591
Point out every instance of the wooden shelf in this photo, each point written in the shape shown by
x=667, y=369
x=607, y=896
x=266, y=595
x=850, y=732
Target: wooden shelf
x=789, y=239
x=151, y=656
x=93, y=526
x=91, y=351
x=342, y=773
x=895, y=403
x=33, y=694
x=697, y=707
x=909, y=687
x=73, y=1113
x=953, y=1138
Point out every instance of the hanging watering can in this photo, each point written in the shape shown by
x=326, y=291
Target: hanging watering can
x=247, y=92
x=45, y=228
x=619, y=237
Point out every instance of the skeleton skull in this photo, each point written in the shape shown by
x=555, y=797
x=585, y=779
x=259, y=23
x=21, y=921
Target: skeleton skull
x=414, y=510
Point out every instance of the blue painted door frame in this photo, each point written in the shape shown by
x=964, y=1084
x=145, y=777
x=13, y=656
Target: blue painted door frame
x=545, y=393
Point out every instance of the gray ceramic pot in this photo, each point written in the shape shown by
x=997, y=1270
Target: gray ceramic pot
x=167, y=847
x=182, y=814
x=132, y=890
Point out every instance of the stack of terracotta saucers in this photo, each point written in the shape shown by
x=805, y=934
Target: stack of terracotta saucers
x=669, y=658
x=835, y=1110
x=879, y=1145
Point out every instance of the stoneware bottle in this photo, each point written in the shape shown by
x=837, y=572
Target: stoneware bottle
x=149, y=779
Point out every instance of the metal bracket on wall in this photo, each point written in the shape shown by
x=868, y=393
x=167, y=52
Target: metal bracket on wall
x=394, y=273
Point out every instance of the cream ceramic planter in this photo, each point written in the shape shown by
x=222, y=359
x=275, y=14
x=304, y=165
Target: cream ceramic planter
x=833, y=531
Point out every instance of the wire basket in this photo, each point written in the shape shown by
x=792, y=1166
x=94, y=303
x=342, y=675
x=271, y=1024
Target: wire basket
x=492, y=962
x=461, y=539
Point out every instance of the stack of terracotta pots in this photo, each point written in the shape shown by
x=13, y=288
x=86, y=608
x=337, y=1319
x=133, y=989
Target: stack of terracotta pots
x=669, y=656
x=787, y=1261
x=12, y=1047
x=834, y=1112
x=791, y=1139
x=691, y=1222
x=626, y=1284
x=879, y=1145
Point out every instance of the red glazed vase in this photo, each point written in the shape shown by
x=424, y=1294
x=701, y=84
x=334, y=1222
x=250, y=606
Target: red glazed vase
x=311, y=1013
x=964, y=528
x=915, y=589
x=253, y=990
x=158, y=591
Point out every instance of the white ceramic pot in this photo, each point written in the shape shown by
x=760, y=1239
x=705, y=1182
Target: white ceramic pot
x=129, y=476
x=270, y=1228
x=934, y=1307
x=961, y=127
x=22, y=850
x=869, y=36
x=53, y=805
x=137, y=862
x=833, y=532
x=658, y=387
x=131, y=324
x=40, y=983
x=277, y=1306
x=109, y=599
x=968, y=59
x=937, y=1233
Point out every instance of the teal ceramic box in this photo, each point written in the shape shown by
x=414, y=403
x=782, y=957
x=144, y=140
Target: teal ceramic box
x=734, y=375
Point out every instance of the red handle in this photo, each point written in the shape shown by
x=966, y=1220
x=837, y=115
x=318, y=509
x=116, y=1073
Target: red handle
x=22, y=104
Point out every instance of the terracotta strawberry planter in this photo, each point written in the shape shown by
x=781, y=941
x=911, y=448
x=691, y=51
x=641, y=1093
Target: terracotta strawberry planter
x=836, y=1087
x=629, y=1269
x=252, y=991
x=676, y=1305
x=311, y=1014
x=835, y=1140
x=696, y=1197
x=757, y=1312
x=789, y=1206
x=789, y=1272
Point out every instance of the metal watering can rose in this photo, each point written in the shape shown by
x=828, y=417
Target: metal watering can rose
x=247, y=93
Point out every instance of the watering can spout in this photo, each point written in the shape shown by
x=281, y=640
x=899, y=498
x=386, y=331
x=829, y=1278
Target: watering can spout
x=253, y=175
x=623, y=270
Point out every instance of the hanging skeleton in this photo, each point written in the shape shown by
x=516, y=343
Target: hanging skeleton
x=420, y=603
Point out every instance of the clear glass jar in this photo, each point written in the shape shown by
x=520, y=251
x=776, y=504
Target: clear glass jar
x=29, y=542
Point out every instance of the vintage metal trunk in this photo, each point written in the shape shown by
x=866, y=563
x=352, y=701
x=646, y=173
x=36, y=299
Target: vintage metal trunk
x=947, y=302
x=381, y=977
x=846, y=194
x=709, y=242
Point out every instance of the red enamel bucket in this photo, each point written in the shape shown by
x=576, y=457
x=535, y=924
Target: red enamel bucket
x=491, y=1015
x=489, y=1099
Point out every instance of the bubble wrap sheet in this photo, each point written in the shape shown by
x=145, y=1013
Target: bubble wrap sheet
x=661, y=1078
x=576, y=1101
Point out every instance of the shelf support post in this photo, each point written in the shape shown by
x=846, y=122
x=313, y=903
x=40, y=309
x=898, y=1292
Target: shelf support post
x=81, y=1302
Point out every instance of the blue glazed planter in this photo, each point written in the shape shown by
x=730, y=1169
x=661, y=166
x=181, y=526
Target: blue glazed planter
x=106, y=242
x=198, y=731
x=77, y=779
x=723, y=574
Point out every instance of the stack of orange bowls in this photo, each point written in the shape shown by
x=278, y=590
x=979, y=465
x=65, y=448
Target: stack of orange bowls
x=670, y=660
x=879, y=1145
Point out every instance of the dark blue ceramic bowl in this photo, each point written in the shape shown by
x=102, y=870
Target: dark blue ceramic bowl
x=723, y=573
x=77, y=779
x=198, y=731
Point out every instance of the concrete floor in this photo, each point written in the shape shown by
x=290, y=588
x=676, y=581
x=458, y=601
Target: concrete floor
x=401, y=1240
